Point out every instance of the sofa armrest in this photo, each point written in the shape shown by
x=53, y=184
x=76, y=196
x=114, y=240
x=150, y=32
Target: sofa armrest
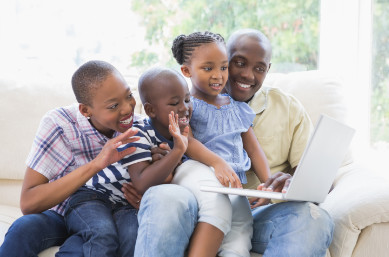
x=358, y=200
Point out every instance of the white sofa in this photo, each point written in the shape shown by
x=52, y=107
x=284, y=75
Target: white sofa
x=359, y=203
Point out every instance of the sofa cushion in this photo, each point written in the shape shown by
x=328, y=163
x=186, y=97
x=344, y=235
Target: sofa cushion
x=370, y=242
x=8, y=215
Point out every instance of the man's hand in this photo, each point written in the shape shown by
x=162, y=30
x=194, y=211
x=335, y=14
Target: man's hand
x=131, y=195
x=278, y=182
x=109, y=154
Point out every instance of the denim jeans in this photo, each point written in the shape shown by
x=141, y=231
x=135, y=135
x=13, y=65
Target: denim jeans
x=167, y=218
x=33, y=233
x=107, y=229
x=292, y=229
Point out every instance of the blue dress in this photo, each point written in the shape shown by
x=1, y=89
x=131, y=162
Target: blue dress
x=220, y=131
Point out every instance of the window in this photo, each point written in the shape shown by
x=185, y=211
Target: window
x=43, y=42
x=379, y=112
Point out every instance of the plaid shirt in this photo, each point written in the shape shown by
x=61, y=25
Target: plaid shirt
x=65, y=141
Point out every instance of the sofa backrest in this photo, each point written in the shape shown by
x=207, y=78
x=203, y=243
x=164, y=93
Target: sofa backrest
x=319, y=92
x=21, y=111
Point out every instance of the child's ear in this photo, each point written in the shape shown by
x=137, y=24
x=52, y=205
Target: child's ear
x=149, y=109
x=185, y=70
x=85, y=110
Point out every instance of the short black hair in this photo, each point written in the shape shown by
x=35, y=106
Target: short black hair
x=147, y=80
x=89, y=77
x=251, y=33
x=183, y=45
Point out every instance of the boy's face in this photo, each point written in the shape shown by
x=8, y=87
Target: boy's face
x=208, y=69
x=171, y=94
x=112, y=106
x=249, y=64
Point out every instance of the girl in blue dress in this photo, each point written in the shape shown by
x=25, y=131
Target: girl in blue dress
x=223, y=125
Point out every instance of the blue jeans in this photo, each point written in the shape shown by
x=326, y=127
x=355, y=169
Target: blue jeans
x=33, y=233
x=292, y=229
x=167, y=218
x=107, y=229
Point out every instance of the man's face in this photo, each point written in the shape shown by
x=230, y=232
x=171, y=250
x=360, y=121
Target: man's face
x=248, y=66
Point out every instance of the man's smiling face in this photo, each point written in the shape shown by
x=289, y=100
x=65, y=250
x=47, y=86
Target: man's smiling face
x=249, y=63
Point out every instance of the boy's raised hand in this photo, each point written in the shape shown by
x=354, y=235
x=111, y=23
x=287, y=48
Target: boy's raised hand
x=180, y=139
x=109, y=154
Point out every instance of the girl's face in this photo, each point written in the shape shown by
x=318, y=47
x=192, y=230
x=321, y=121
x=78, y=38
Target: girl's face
x=112, y=106
x=208, y=70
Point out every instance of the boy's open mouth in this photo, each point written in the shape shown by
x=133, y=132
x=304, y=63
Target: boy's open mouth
x=126, y=122
x=183, y=121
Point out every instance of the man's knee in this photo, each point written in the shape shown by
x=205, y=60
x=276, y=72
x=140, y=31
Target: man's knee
x=313, y=218
x=305, y=217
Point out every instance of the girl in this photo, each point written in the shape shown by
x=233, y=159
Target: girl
x=203, y=59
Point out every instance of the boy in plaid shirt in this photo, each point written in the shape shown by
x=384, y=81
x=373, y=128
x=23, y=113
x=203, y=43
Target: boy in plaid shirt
x=72, y=144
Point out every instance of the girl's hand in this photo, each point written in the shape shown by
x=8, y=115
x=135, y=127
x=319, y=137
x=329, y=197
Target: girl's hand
x=226, y=175
x=180, y=139
x=109, y=154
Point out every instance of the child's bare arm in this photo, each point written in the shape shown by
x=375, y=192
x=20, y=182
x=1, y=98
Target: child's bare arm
x=258, y=158
x=145, y=174
x=39, y=195
x=223, y=171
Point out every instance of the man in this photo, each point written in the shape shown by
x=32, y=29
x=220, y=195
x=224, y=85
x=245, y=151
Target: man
x=282, y=127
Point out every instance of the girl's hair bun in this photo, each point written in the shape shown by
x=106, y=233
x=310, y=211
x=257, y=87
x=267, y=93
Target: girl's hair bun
x=183, y=45
x=178, y=48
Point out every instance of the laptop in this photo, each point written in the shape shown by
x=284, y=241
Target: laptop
x=317, y=168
